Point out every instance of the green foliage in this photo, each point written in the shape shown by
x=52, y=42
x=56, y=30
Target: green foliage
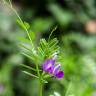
x=78, y=49
x=45, y=50
x=63, y=17
x=41, y=24
x=24, y=24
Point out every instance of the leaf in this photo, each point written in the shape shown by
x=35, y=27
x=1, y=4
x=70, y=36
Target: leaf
x=24, y=40
x=41, y=51
x=30, y=74
x=28, y=56
x=43, y=43
x=47, y=49
x=32, y=35
x=47, y=76
x=25, y=47
x=20, y=23
x=28, y=67
x=54, y=29
x=53, y=42
x=26, y=25
x=44, y=81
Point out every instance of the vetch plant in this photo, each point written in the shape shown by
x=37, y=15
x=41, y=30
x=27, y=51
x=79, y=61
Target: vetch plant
x=49, y=67
x=44, y=56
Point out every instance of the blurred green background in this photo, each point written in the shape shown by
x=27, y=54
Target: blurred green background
x=76, y=32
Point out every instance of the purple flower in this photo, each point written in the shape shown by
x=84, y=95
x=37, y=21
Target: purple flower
x=49, y=66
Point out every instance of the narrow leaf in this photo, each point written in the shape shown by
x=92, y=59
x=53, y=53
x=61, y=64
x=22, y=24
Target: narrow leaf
x=30, y=74
x=41, y=51
x=28, y=56
x=28, y=67
x=32, y=35
x=23, y=46
x=20, y=23
x=26, y=25
x=23, y=39
x=54, y=29
x=53, y=42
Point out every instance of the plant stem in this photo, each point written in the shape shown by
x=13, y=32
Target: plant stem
x=40, y=80
x=40, y=88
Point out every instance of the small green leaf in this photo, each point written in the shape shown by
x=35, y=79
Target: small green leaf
x=32, y=35
x=46, y=76
x=53, y=42
x=23, y=39
x=25, y=47
x=28, y=67
x=26, y=25
x=21, y=23
x=44, y=41
x=54, y=29
x=43, y=44
x=41, y=51
x=44, y=81
x=30, y=74
x=28, y=56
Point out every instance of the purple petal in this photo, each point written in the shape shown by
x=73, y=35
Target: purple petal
x=48, y=65
x=56, y=69
x=60, y=74
x=50, y=69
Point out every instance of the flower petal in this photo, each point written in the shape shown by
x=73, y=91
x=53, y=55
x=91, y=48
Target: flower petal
x=50, y=69
x=56, y=69
x=60, y=74
x=48, y=65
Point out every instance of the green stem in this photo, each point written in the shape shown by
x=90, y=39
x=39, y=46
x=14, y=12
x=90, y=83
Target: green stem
x=40, y=80
x=40, y=88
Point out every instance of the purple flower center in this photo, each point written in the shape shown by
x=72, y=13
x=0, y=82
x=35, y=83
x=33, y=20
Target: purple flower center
x=49, y=66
